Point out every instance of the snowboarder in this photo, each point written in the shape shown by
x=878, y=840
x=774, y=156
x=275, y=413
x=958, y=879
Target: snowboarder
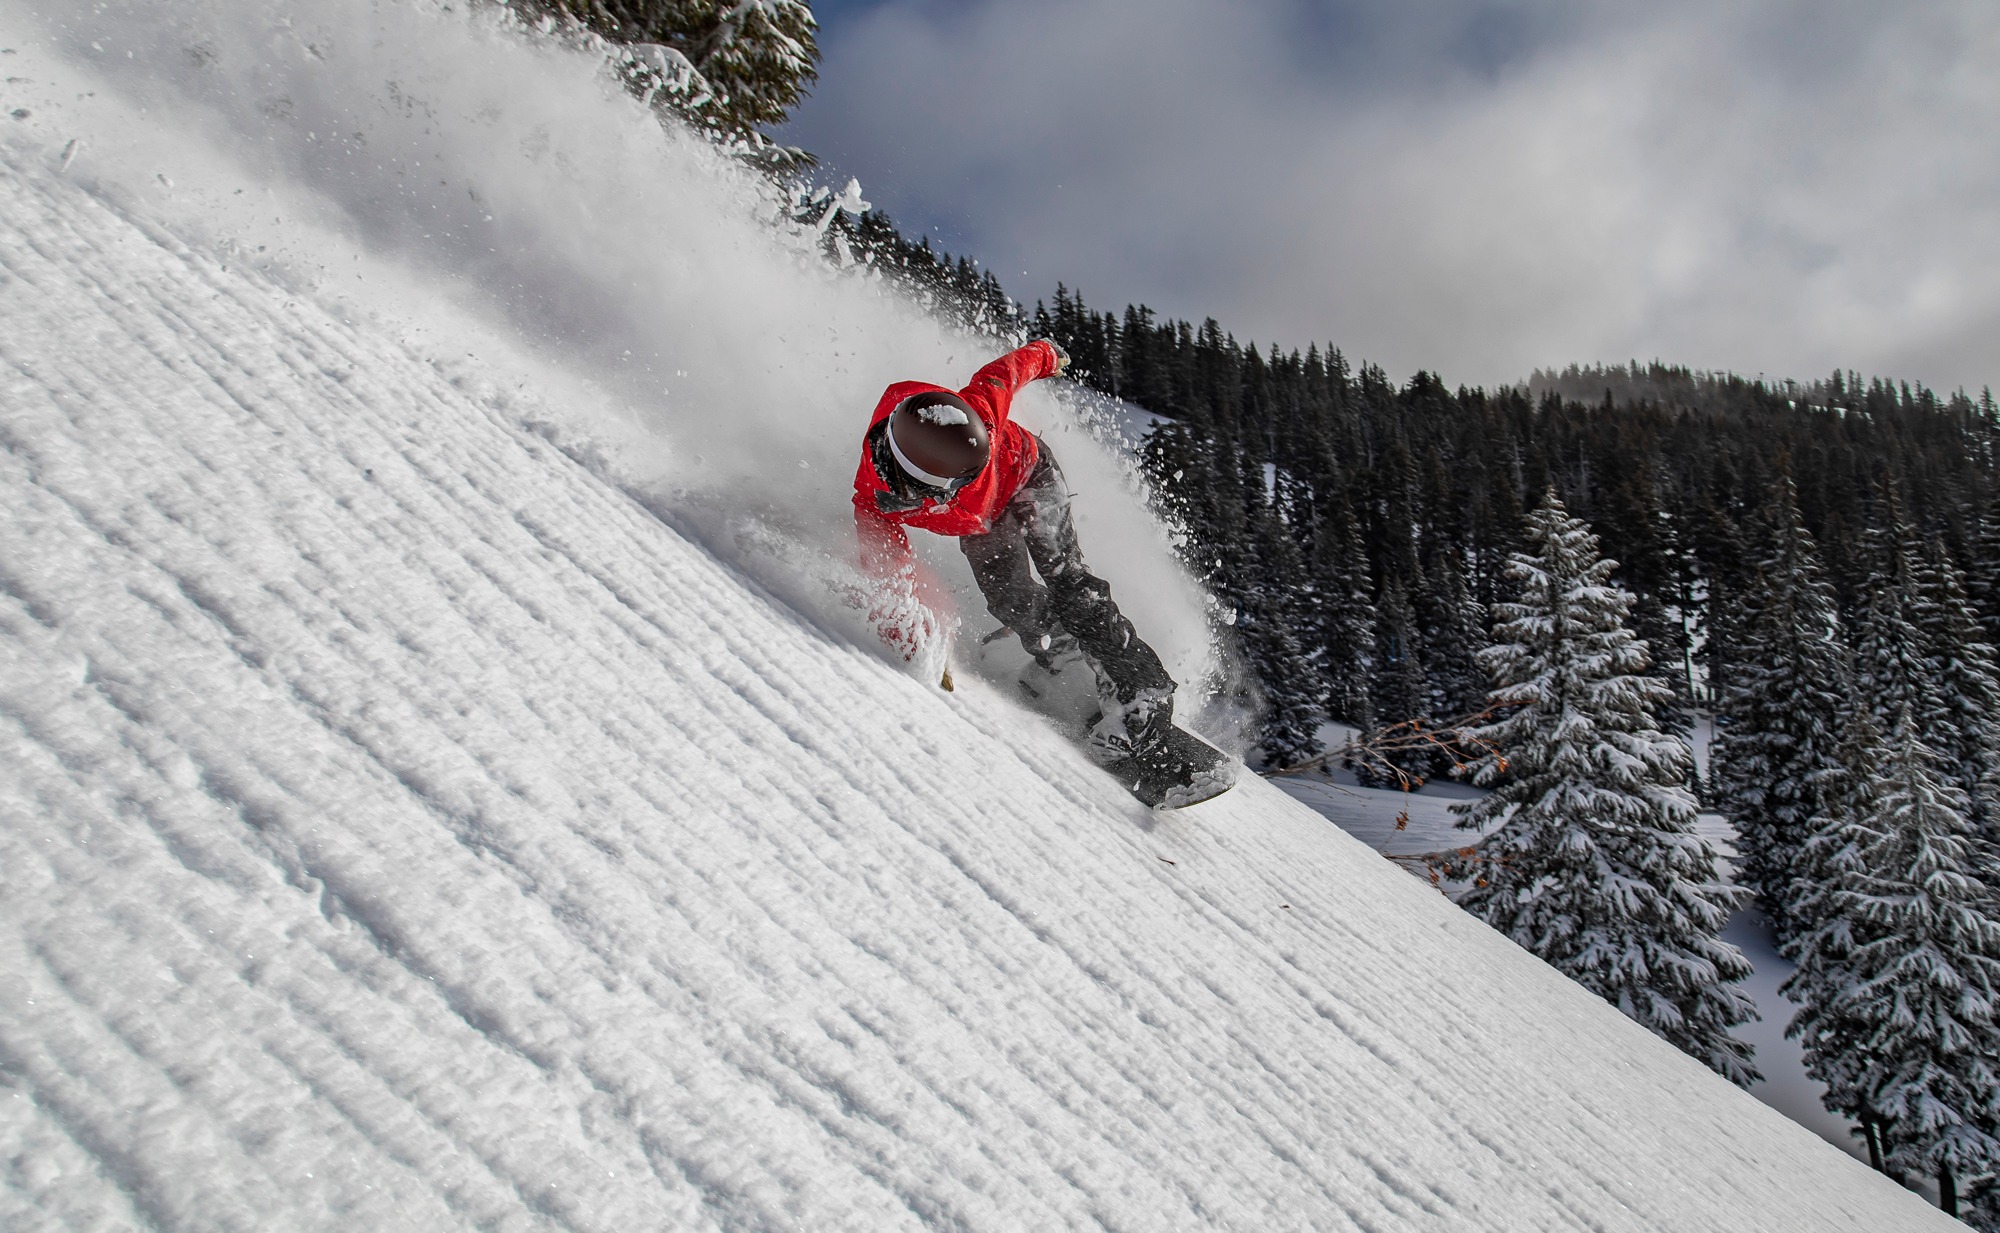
x=956, y=464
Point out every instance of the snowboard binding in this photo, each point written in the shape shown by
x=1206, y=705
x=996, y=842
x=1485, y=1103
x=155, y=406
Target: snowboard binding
x=1134, y=740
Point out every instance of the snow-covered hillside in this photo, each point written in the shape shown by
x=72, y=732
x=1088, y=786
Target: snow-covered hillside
x=426, y=802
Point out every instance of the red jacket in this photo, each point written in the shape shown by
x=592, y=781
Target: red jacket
x=885, y=546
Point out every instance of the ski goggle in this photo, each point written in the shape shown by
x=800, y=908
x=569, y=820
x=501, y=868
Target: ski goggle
x=925, y=478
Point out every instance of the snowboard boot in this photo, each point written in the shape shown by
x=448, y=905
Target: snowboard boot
x=1056, y=657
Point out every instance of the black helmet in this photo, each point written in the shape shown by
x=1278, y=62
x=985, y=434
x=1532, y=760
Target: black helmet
x=938, y=439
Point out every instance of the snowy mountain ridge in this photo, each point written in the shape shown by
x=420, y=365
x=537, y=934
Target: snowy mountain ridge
x=402, y=826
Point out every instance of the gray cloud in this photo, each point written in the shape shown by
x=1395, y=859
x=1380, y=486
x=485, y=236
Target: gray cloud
x=1476, y=188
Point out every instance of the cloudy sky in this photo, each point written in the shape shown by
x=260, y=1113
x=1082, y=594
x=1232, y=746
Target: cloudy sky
x=1477, y=188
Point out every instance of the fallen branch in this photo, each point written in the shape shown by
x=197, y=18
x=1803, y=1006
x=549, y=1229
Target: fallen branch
x=1458, y=864
x=1455, y=739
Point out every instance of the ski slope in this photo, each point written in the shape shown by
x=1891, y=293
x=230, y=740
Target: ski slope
x=415, y=815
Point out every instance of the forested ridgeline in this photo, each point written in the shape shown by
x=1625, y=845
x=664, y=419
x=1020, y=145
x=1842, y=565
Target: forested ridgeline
x=1358, y=528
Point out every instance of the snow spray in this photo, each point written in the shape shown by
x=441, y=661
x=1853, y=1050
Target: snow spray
x=491, y=194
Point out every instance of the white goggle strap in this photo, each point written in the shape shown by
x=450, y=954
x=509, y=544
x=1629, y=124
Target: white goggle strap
x=903, y=461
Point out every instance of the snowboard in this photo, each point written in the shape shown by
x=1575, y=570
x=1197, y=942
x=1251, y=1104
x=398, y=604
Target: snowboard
x=1177, y=770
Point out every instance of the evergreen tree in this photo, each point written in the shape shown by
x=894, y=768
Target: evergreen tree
x=1982, y=1209
x=1982, y=575
x=1827, y=932
x=1778, y=717
x=1900, y=1012
x=1660, y=627
x=1453, y=631
x=1966, y=734
x=1289, y=723
x=1727, y=587
x=1347, y=620
x=757, y=55
x=1591, y=859
x=1231, y=481
x=1174, y=460
x=1892, y=665
x=1401, y=691
x=1653, y=565
x=730, y=66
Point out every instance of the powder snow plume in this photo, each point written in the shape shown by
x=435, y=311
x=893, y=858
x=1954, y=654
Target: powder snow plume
x=493, y=196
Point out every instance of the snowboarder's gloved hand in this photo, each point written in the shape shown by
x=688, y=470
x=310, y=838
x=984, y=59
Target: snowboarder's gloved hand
x=1062, y=356
x=912, y=612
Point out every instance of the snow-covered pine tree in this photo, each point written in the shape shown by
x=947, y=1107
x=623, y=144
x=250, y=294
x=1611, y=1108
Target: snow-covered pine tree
x=1966, y=731
x=731, y=66
x=1716, y=533
x=1826, y=931
x=759, y=55
x=1401, y=692
x=1892, y=664
x=1229, y=479
x=1906, y=977
x=1779, y=713
x=1982, y=573
x=1291, y=684
x=1982, y=1209
x=1662, y=630
x=1175, y=462
x=1591, y=859
x=1655, y=569
x=1454, y=625
x=1347, y=618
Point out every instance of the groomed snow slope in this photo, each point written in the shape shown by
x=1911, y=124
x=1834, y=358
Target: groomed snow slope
x=401, y=828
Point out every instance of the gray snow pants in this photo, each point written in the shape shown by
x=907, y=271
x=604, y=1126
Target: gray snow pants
x=1035, y=528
